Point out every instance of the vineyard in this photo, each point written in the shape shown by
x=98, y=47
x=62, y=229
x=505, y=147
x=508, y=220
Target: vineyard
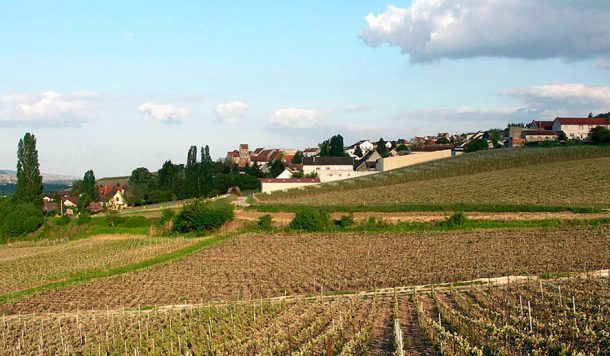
x=26, y=265
x=562, y=316
x=253, y=266
x=518, y=177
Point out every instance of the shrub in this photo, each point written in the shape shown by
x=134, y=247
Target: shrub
x=265, y=222
x=200, y=216
x=455, y=220
x=134, y=221
x=83, y=218
x=345, y=221
x=309, y=220
x=166, y=216
x=19, y=219
x=113, y=219
x=63, y=220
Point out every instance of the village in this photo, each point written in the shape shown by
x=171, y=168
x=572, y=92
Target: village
x=312, y=166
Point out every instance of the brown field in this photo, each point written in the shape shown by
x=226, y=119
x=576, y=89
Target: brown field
x=255, y=266
x=27, y=265
x=572, y=183
x=566, y=316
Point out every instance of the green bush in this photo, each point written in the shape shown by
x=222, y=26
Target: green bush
x=265, y=222
x=201, y=216
x=345, y=221
x=455, y=220
x=19, y=219
x=63, y=220
x=83, y=218
x=309, y=220
x=113, y=218
x=166, y=216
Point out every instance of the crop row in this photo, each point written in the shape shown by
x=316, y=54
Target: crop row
x=253, y=266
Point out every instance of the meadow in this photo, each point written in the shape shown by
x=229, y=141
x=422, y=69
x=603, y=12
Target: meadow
x=569, y=177
x=259, y=265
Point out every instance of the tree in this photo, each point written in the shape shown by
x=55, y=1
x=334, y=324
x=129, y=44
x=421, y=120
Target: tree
x=561, y=136
x=255, y=171
x=29, y=180
x=191, y=174
x=336, y=148
x=276, y=168
x=600, y=135
x=297, y=158
x=166, y=176
x=476, y=145
x=140, y=175
x=442, y=140
x=358, y=152
x=324, y=148
x=382, y=148
x=89, y=188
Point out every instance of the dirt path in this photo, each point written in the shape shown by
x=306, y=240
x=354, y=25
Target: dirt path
x=382, y=337
x=415, y=341
x=283, y=218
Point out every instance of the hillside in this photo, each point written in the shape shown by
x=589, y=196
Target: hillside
x=569, y=176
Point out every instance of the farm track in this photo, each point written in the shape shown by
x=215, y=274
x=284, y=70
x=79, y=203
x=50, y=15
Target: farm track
x=415, y=341
x=284, y=218
x=382, y=338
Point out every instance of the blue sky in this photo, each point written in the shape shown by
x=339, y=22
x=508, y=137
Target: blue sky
x=115, y=85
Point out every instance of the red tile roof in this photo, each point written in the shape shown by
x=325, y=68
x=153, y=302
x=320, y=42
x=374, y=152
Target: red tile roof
x=539, y=133
x=583, y=121
x=290, y=180
x=543, y=125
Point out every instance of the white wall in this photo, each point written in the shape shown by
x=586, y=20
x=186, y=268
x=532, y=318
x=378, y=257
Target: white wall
x=335, y=173
x=272, y=187
x=387, y=164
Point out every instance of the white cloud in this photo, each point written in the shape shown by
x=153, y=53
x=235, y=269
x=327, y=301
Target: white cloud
x=165, y=113
x=429, y=30
x=603, y=63
x=563, y=99
x=48, y=108
x=233, y=111
x=295, y=118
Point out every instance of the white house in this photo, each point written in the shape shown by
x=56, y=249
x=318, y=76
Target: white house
x=118, y=200
x=330, y=169
x=579, y=128
x=365, y=146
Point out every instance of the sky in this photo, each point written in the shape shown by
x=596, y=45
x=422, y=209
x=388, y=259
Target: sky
x=115, y=85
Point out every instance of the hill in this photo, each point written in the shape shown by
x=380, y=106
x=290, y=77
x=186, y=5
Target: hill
x=7, y=174
x=571, y=176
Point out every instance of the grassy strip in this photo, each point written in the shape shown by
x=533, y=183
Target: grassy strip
x=484, y=208
x=90, y=275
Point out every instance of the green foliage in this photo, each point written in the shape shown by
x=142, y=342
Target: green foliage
x=83, y=218
x=332, y=147
x=600, y=135
x=456, y=220
x=476, y=145
x=297, y=158
x=561, y=136
x=276, y=168
x=402, y=147
x=29, y=180
x=89, y=188
x=140, y=175
x=200, y=216
x=442, y=141
x=113, y=218
x=19, y=219
x=166, y=216
x=63, y=220
x=345, y=221
x=158, y=196
x=265, y=222
x=310, y=220
x=358, y=152
x=382, y=148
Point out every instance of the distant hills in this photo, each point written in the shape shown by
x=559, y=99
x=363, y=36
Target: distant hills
x=7, y=175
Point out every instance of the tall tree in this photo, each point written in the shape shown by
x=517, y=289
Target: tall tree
x=382, y=148
x=166, y=176
x=29, y=180
x=89, y=188
x=140, y=175
x=191, y=174
x=276, y=168
x=324, y=148
x=358, y=152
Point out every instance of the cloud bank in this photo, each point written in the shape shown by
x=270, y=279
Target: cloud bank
x=561, y=99
x=231, y=112
x=165, y=113
x=48, y=109
x=429, y=30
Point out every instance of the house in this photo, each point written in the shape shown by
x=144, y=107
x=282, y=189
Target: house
x=289, y=171
x=541, y=125
x=233, y=157
x=70, y=202
x=330, y=169
x=311, y=152
x=539, y=135
x=366, y=146
x=244, y=155
x=118, y=201
x=579, y=128
x=49, y=206
x=269, y=185
x=95, y=207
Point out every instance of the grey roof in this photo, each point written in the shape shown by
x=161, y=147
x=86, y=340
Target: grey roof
x=328, y=161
